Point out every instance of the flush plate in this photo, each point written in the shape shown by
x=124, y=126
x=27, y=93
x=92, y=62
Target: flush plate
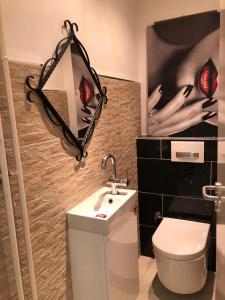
x=187, y=151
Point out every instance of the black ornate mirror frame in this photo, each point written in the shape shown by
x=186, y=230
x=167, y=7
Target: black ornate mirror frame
x=47, y=69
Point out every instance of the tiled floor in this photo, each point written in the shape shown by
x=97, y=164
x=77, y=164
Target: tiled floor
x=152, y=289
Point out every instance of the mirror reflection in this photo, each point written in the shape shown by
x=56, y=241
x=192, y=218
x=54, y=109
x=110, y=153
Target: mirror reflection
x=86, y=91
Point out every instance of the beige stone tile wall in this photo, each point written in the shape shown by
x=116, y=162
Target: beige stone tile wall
x=53, y=180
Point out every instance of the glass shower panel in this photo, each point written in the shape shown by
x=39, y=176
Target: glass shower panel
x=220, y=275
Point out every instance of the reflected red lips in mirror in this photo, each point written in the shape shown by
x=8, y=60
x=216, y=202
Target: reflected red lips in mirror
x=86, y=92
x=208, y=79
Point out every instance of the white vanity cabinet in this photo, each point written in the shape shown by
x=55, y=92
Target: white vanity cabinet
x=105, y=265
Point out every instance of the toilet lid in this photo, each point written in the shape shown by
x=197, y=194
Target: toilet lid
x=180, y=239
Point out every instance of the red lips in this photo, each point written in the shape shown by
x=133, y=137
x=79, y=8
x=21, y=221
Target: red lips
x=208, y=79
x=86, y=92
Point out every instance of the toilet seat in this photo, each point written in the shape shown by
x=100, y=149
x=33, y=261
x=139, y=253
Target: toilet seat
x=180, y=239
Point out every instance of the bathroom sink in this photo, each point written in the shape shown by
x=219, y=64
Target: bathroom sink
x=102, y=210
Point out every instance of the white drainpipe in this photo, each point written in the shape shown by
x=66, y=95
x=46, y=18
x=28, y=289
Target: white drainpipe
x=10, y=216
x=19, y=174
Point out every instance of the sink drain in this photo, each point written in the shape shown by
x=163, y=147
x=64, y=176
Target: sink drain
x=103, y=216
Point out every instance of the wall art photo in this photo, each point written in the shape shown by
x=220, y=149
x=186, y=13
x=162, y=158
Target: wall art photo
x=183, y=56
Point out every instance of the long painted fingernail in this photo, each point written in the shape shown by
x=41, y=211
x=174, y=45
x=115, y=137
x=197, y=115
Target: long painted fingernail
x=86, y=110
x=188, y=90
x=209, y=116
x=86, y=120
x=209, y=103
x=161, y=89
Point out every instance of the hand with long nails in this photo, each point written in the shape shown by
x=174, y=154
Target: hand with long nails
x=178, y=115
x=86, y=114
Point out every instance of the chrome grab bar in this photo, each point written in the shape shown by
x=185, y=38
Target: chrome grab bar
x=218, y=188
x=205, y=192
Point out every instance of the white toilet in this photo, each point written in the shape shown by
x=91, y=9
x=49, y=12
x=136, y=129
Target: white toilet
x=181, y=252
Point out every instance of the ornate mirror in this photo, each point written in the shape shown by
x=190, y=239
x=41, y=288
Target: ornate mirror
x=76, y=110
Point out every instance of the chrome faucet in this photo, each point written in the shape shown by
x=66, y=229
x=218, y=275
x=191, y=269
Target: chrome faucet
x=113, y=160
x=113, y=182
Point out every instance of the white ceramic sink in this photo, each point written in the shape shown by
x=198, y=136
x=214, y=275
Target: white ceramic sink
x=102, y=210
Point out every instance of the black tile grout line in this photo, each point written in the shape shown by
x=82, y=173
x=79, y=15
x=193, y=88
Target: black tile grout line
x=192, y=197
x=155, y=158
x=149, y=193
x=194, y=139
x=192, y=162
x=211, y=174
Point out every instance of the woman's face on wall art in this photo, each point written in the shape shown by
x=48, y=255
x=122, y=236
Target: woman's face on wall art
x=183, y=79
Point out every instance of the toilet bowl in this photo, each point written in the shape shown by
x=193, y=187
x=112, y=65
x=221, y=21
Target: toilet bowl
x=181, y=249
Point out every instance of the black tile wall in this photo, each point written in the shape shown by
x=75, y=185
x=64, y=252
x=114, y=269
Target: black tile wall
x=164, y=186
x=146, y=233
x=213, y=225
x=212, y=255
x=213, y=172
x=149, y=204
x=166, y=149
x=187, y=207
x=172, y=178
x=210, y=151
x=148, y=148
